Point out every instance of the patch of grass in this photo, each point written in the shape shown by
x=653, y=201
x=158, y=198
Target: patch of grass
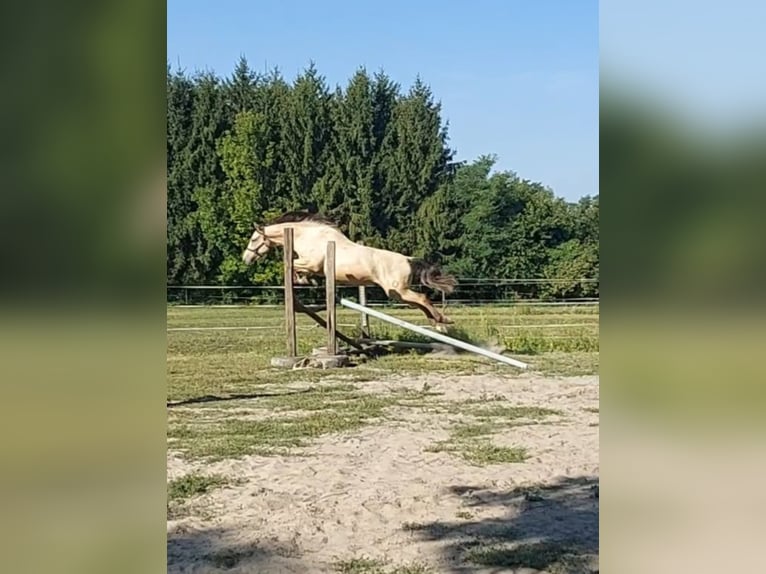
x=193, y=485
x=237, y=361
x=235, y=438
x=489, y=409
x=469, y=431
x=512, y=413
x=316, y=398
x=471, y=441
x=390, y=332
x=370, y=566
x=484, y=453
x=359, y=566
x=552, y=557
x=180, y=490
x=567, y=364
x=481, y=452
x=535, y=341
x=415, y=568
x=228, y=363
x=303, y=416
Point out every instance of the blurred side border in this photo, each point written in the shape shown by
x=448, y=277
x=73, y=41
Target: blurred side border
x=82, y=248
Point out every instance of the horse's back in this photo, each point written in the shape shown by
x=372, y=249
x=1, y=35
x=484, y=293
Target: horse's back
x=356, y=264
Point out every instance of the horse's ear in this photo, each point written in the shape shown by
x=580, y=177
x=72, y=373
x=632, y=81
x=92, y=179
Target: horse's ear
x=257, y=228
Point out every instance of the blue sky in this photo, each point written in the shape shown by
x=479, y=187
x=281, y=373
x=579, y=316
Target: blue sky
x=518, y=79
x=705, y=60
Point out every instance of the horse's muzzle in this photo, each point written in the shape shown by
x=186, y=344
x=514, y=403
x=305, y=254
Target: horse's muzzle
x=249, y=257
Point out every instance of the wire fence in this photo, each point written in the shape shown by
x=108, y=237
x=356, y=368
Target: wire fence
x=469, y=291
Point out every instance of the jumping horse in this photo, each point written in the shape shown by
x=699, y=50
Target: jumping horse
x=355, y=264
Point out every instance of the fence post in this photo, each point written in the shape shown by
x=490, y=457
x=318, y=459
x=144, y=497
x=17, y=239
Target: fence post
x=364, y=326
x=292, y=350
x=365, y=321
x=329, y=273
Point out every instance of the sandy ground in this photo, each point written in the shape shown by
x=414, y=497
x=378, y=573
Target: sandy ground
x=378, y=493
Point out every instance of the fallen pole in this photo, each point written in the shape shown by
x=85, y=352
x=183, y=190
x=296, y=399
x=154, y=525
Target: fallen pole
x=434, y=335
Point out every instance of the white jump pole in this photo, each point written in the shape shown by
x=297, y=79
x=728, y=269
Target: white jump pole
x=434, y=335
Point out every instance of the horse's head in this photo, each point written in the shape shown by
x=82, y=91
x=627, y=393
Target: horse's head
x=257, y=247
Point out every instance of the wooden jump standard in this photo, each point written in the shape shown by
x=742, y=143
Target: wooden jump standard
x=293, y=305
x=330, y=357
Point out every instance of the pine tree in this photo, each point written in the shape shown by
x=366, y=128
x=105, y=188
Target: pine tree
x=416, y=163
x=244, y=149
x=306, y=138
x=352, y=157
x=208, y=124
x=240, y=90
x=179, y=186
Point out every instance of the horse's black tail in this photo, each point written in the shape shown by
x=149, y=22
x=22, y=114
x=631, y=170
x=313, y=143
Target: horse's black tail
x=431, y=275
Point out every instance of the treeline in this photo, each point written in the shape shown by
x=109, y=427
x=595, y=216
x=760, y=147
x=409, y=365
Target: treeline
x=370, y=155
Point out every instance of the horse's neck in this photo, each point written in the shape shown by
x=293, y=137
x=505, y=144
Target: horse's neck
x=276, y=232
x=302, y=229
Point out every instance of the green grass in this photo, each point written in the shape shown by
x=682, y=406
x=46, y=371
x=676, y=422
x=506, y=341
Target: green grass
x=359, y=566
x=470, y=431
x=519, y=333
x=238, y=404
x=482, y=453
x=282, y=422
x=553, y=557
x=181, y=490
x=194, y=484
x=216, y=362
x=508, y=413
x=566, y=339
x=472, y=441
x=288, y=420
x=236, y=438
x=370, y=566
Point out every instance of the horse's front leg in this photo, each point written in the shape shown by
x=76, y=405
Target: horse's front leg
x=302, y=271
x=301, y=279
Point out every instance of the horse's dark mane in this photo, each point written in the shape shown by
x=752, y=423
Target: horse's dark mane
x=297, y=216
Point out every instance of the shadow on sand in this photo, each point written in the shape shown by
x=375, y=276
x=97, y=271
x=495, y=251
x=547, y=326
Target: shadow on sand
x=553, y=528
x=218, y=550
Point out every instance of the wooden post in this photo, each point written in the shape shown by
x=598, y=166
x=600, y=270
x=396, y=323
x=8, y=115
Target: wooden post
x=365, y=326
x=329, y=273
x=322, y=323
x=292, y=349
x=364, y=319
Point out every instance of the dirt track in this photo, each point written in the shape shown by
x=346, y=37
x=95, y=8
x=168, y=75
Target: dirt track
x=380, y=494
